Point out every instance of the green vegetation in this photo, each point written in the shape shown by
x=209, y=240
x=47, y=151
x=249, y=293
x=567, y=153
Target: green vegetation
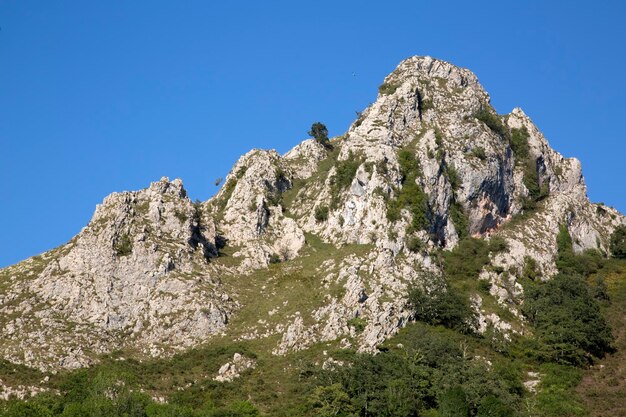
x=479, y=152
x=321, y=213
x=427, y=105
x=556, y=396
x=181, y=216
x=358, y=323
x=461, y=223
x=446, y=302
x=443, y=305
x=602, y=387
x=114, y=391
x=320, y=133
x=439, y=143
x=427, y=369
x=469, y=257
x=386, y=89
x=537, y=191
x=123, y=245
x=569, y=326
x=618, y=242
x=519, y=143
x=410, y=195
x=359, y=118
x=570, y=263
x=532, y=182
x=453, y=177
x=423, y=370
x=492, y=121
x=344, y=174
x=565, y=311
x=414, y=244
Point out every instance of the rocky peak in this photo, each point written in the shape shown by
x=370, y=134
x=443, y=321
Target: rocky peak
x=426, y=165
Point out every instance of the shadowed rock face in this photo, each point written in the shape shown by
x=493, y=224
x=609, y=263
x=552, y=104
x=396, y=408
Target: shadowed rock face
x=145, y=271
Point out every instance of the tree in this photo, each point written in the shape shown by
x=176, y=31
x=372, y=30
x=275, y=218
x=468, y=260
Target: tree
x=567, y=319
x=453, y=403
x=330, y=401
x=319, y=132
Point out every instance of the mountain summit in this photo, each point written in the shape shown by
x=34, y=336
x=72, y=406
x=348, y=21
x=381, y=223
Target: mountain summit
x=317, y=245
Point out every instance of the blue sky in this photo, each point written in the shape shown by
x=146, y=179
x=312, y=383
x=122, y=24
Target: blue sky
x=97, y=97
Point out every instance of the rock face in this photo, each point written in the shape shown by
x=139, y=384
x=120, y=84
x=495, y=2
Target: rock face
x=249, y=210
x=138, y=274
x=429, y=163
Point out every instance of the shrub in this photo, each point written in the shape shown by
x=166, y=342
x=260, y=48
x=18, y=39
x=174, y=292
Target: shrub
x=519, y=143
x=416, y=377
x=123, y=246
x=469, y=257
x=484, y=285
x=181, y=216
x=344, y=174
x=492, y=121
x=228, y=189
x=479, y=152
x=530, y=270
x=332, y=400
x=536, y=191
x=461, y=223
x=359, y=118
x=442, y=306
x=618, y=242
x=492, y=406
x=414, y=244
x=453, y=177
x=411, y=195
x=387, y=88
x=427, y=105
x=345, y=171
x=321, y=213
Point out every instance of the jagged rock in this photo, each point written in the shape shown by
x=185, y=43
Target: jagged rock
x=232, y=370
x=138, y=269
x=304, y=158
x=251, y=211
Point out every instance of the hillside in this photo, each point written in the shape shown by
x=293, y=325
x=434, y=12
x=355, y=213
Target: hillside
x=427, y=239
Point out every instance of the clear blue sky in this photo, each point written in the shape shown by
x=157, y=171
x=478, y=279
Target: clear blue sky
x=106, y=96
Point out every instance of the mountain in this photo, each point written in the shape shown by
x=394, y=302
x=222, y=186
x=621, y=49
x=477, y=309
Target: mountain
x=320, y=246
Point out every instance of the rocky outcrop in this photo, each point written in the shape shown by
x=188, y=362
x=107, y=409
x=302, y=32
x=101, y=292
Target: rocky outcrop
x=249, y=210
x=232, y=370
x=138, y=275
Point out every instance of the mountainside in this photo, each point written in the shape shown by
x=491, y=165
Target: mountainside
x=319, y=245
